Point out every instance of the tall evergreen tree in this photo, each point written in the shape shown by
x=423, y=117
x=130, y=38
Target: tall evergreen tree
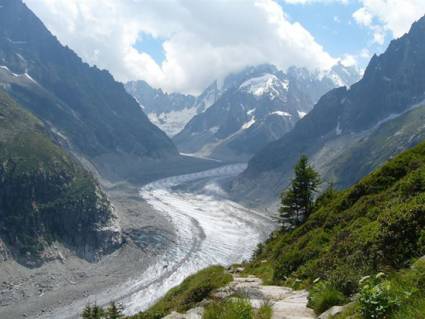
x=298, y=201
x=114, y=311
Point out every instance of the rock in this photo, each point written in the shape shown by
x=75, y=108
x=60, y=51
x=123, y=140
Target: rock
x=236, y=270
x=293, y=307
x=195, y=313
x=333, y=311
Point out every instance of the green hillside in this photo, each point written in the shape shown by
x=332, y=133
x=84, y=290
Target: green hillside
x=377, y=225
x=45, y=196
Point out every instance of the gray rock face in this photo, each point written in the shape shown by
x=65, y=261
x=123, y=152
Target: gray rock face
x=46, y=197
x=256, y=106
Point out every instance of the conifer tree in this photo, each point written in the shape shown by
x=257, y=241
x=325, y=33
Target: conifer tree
x=114, y=311
x=97, y=312
x=87, y=312
x=298, y=201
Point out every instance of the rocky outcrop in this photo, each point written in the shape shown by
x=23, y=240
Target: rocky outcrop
x=46, y=197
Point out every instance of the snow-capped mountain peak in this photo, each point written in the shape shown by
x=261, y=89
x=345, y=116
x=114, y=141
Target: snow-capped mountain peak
x=265, y=84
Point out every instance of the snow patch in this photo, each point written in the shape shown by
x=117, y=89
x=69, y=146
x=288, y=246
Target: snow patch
x=251, y=111
x=29, y=77
x=173, y=122
x=301, y=114
x=8, y=70
x=249, y=123
x=214, y=129
x=281, y=113
x=260, y=85
x=338, y=130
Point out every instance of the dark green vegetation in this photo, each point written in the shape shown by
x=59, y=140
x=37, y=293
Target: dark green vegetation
x=113, y=311
x=45, y=196
x=297, y=202
x=376, y=225
x=185, y=296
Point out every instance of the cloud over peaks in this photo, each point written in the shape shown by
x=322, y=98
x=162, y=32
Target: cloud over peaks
x=202, y=40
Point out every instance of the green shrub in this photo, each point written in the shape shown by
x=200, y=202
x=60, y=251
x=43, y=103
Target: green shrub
x=323, y=296
x=376, y=298
x=229, y=309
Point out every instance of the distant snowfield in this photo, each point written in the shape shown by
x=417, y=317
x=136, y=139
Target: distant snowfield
x=211, y=229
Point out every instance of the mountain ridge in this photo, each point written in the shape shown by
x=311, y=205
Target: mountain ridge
x=256, y=106
x=98, y=119
x=392, y=83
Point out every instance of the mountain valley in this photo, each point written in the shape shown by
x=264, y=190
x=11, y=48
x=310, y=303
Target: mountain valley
x=283, y=190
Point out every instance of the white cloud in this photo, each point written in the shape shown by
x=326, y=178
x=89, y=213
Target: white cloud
x=393, y=16
x=349, y=60
x=204, y=40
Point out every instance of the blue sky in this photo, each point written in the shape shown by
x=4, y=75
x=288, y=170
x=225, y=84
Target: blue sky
x=152, y=46
x=333, y=27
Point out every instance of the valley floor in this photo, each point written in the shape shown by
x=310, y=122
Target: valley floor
x=174, y=227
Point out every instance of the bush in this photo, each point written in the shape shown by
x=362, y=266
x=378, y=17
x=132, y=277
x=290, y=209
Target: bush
x=323, y=296
x=376, y=299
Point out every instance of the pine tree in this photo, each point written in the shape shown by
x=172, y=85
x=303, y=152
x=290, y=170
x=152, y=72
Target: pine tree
x=97, y=312
x=87, y=312
x=298, y=201
x=114, y=311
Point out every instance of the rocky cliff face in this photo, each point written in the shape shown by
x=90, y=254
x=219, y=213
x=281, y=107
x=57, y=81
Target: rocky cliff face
x=256, y=106
x=365, y=117
x=46, y=197
x=84, y=106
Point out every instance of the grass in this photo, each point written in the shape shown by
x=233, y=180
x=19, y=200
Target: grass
x=236, y=308
x=323, y=296
x=229, y=309
x=190, y=292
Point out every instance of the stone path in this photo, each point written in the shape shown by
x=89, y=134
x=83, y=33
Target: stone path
x=285, y=302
